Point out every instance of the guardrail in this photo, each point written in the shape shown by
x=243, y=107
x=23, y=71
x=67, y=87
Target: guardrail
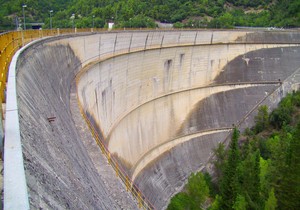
x=143, y=202
x=10, y=42
x=16, y=196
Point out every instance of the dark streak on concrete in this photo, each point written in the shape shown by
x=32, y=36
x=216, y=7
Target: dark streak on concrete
x=59, y=172
x=164, y=176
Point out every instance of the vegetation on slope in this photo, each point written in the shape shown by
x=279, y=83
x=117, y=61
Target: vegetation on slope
x=260, y=170
x=142, y=13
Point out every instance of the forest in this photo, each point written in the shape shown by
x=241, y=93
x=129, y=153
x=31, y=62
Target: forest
x=259, y=170
x=142, y=13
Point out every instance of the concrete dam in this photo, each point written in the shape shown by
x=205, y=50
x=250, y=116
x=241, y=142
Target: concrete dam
x=159, y=101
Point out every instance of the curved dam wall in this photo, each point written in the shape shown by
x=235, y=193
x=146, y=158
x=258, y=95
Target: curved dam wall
x=167, y=172
x=59, y=172
x=160, y=100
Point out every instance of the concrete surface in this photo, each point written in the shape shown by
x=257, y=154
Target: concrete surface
x=116, y=189
x=14, y=182
x=161, y=100
x=59, y=171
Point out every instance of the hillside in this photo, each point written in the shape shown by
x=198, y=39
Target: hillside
x=142, y=13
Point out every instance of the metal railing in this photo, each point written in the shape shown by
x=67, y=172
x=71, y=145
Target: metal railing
x=10, y=42
x=143, y=202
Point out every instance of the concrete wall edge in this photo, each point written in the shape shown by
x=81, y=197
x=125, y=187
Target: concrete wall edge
x=15, y=187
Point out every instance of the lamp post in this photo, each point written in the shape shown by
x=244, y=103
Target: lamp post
x=130, y=22
x=93, y=21
x=51, y=11
x=24, y=5
x=17, y=22
x=73, y=17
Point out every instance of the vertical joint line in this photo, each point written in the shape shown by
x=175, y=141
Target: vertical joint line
x=179, y=39
x=162, y=40
x=146, y=41
x=130, y=42
x=196, y=38
x=115, y=42
x=99, y=51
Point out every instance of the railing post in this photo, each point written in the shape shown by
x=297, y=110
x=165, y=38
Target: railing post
x=22, y=38
x=109, y=158
x=139, y=199
x=117, y=169
x=127, y=183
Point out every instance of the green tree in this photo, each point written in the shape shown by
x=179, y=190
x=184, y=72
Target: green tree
x=197, y=189
x=279, y=146
x=180, y=201
x=229, y=182
x=271, y=203
x=195, y=194
x=212, y=186
x=250, y=180
x=282, y=115
x=226, y=20
x=296, y=98
x=178, y=25
x=264, y=178
x=216, y=205
x=283, y=13
x=261, y=119
x=254, y=194
x=220, y=158
x=289, y=190
x=240, y=203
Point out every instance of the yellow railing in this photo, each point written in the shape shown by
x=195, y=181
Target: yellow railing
x=10, y=42
x=143, y=202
